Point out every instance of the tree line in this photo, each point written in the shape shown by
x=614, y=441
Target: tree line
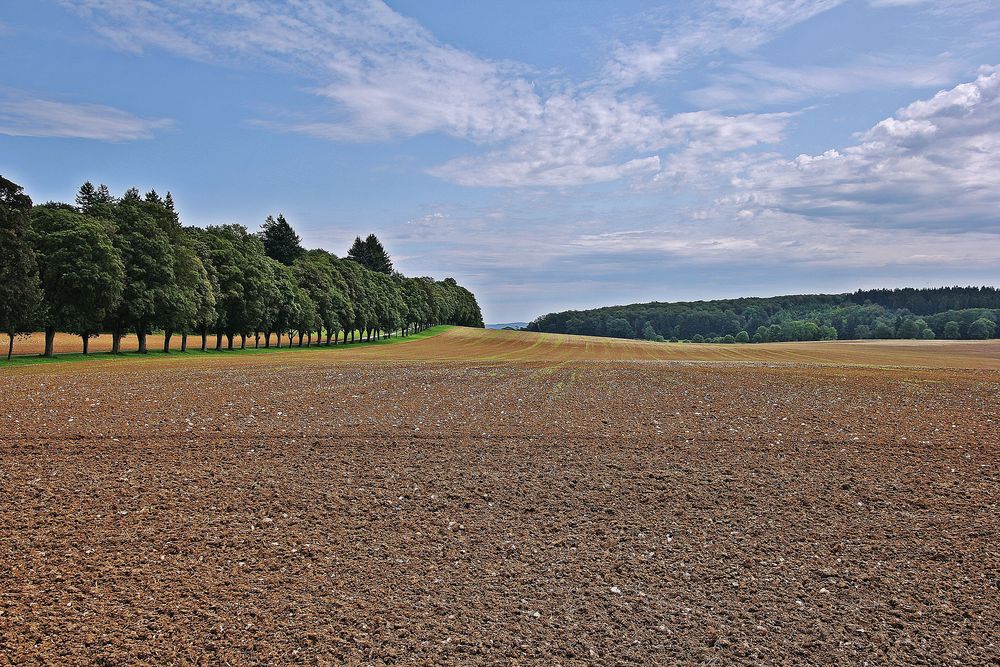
x=119, y=265
x=945, y=312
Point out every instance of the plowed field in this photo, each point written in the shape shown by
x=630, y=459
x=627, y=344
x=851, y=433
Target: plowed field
x=460, y=344
x=505, y=498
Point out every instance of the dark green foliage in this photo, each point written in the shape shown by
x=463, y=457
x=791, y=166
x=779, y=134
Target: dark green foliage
x=908, y=329
x=95, y=202
x=280, y=240
x=905, y=313
x=127, y=265
x=315, y=273
x=145, y=233
x=20, y=290
x=370, y=254
x=952, y=330
x=743, y=337
x=982, y=329
x=619, y=327
x=82, y=273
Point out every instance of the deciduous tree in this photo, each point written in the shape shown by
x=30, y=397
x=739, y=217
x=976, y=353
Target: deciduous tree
x=82, y=273
x=20, y=290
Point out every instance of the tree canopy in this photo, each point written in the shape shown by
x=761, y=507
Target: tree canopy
x=280, y=240
x=370, y=254
x=126, y=264
x=20, y=290
x=946, y=312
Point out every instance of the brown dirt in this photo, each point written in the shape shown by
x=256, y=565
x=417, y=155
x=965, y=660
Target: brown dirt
x=499, y=505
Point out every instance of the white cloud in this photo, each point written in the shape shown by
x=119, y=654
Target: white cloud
x=384, y=73
x=25, y=117
x=386, y=76
x=578, y=143
x=724, y=25
x=934, y=164
x=750, y=84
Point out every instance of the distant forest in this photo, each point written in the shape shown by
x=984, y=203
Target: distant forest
x=107, y=264
x=945, y=312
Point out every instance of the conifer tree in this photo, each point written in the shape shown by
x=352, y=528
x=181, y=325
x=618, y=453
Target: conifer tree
x=378, y=258
x=280, y=240
x=358, y=252
x=370, y=254
x=86, y=197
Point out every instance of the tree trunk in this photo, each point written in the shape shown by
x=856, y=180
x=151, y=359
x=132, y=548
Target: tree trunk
x=167, y=333
x=229, y=340
x=301, y=336
x=10, y=344
x=256, y=339
x=352, y=335
x=243, y=341
x=50, y=341
x=184, y=342
x=291, y=338
x=204, y=339
x=116, y=341
x=86, y=342
x=218, y=340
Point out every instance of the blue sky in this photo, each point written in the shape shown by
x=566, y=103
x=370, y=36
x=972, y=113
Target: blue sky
x=549, y=155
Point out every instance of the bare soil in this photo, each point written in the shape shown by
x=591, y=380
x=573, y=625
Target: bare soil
x=448, y=502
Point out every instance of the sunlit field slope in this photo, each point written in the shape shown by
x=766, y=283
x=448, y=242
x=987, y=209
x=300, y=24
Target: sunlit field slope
x=497, y=346
x=461, y=344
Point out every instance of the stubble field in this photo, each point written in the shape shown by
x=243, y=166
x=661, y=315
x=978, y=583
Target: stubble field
x=505, y=498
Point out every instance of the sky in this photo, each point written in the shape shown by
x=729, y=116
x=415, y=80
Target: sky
x=548, y=155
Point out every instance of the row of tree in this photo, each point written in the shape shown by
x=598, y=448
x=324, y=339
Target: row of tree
x=126, y=264
x=946, y=312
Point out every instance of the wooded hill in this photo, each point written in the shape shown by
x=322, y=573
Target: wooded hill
x=944, y=312
x=126, y=264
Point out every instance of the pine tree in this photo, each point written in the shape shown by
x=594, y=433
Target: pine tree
x=86, y=198
x=370, y=254
x=378, y=258
x=104, y=195
x=280, y=240
x=95, y=202
x=358, y=252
